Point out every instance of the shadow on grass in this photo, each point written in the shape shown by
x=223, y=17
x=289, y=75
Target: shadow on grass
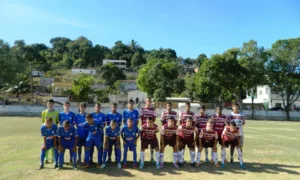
x=272, y=168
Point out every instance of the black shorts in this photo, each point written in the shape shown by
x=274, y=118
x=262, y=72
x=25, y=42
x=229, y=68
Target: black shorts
x=186, y=142
x=171, y=142
x=207, y=144
x=153, y=143
x=232, y=143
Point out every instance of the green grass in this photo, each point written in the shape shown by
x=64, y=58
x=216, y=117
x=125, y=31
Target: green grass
x=271, y=151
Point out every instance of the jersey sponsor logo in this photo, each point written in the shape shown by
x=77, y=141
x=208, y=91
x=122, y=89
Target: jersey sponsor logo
x=67, y=138
x=129, y=138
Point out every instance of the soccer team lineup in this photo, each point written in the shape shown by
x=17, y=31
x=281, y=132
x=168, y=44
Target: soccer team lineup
x=87, y=134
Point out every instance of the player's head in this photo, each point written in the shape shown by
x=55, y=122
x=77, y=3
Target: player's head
x=66, y=125
x=209, y=125
x=171, y=121
x=49, y=122
x=150, y=121
x=235, y=107
x=113, y=124
x=89, y=118
x=202, y=109
x=50, y=104
x=189, y=121
x=130, y=104
x=97, y=107
x=67, y=106
x=130, y=122
x=187, y=106
x=114, y=107
x=219, y=109
x=82, y=107
x=169, y=106
x=232, y=126
x=148, y=102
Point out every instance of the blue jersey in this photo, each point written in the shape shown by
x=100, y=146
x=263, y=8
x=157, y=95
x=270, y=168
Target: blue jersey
x=67, y=116
x=81, y=131
x=111, y=116
x=130, y=134
x=112, y=134
x=67, y=137
x=99, y=117
x=49, y=134
x=134, y=114
x=95, y=130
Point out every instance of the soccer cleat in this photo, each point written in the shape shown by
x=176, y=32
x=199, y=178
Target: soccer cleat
x=141, y=166
x=206, y=160
x=86, y=166
x=161, y=165
x=175, y=165
x=55, y=166
x=98, y=165
x=242, y=166
x=222, y=165
x=157, y=166
x=198, y=165
x=124, y=166
x=102, y=166
x=135, y=166
x=40, y=167
x=46, y=161
x=231, y=160
x=217, y=165
x=59, y=168
x=152, y=160
x=193, y=164
x=74, y=168
x=108, y=161
x=119, y=165
x=180, y=164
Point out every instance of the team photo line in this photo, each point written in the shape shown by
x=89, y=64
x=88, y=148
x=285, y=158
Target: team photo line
x=80, y=133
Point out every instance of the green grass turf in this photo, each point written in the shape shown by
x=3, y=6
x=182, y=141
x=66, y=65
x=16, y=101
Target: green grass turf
x=271, y=151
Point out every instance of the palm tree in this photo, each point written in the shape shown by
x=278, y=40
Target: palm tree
x=133, y=45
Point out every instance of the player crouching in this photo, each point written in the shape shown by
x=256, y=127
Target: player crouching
x=148, y=137
x=112, y=138
x=186, y=138
x=48, y=132
x=231, y=136
x=208, y=138
x=169, y=136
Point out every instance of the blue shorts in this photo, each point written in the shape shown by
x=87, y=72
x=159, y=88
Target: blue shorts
x=49, y=146
x=131, y=146
x=68, y=146
x=81, y=142
x=93, y=141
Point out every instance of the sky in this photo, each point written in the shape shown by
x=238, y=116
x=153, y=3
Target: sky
x=190, y=27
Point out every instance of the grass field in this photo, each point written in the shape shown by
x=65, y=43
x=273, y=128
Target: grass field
x=271, y=151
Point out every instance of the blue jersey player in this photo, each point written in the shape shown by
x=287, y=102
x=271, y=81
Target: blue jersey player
x=113, y=115
x=132, y=113
x=100, y=117
x=68, y=139
x=82, y=133
x=67, y=115
x=95, y=132
x=130, y=135
x=48, y=132
x=112, y=138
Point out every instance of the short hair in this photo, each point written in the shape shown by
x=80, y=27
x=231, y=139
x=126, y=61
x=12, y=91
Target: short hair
x=129, y=119
x=50, y=101
x=232, y=124
x=98, y=104
x=49, y=119
x=188, y=103
x=66, y=102
x=172, y=118
x=131, y=101
x=150, y=118
x=89, y=115
x=190, y=118
x=149, y=98
x=236, y=104
x=114, y=104
x=169, y=103
x=82, y=104
x=113, y=121
x=202, y=107
x=209, y=121
x=66, y=122
x=219, y=106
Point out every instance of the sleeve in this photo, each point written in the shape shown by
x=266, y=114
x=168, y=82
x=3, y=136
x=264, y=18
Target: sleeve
x=162, y=132
x=43, y=134
x=216, y=135
x=85, y=126
x=201, y=134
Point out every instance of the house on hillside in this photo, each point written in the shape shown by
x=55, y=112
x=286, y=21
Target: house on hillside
x=46, y=81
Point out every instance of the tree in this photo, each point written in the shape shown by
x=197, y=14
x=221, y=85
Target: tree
x=200, y=59
x=122, y=52
x=189, y=80
x=110, y=74
x=164, y=54
x=137, y=60
x=97, y=54
x=157, y=78
x=224, y=75
x=282, y=71
x=82, y=87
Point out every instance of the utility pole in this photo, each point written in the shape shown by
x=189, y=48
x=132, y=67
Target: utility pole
x=31, y=80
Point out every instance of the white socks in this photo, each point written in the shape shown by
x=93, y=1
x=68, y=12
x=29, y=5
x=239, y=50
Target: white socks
x=175, y=157
x=198, y=157
x=215, y=157
x=161, y=158
x=192, y=155
x=240, y=155
x=180, y=156
x=142, y=157
x=223, y=155
x=157, y=157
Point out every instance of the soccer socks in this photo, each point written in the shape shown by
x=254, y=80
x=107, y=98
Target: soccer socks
x=223, y=155
x=206, y=153
x=212, y=154
x=180, y=156
x=61, y=158
x=91, y=154
x=134, y=155
x=43, y=154
x=100, y=155
x=175, y=157
x=215, y=157
x=110, y=149
x=74, y=154
x=161, y=158
x=157, y=157
x=192, y=155
x=106, y=151
x=142, y=157
x=240, y=155
x=125, y=154
x=118, y=154
x=55, y=156
x=87, y=156
x=198, y=157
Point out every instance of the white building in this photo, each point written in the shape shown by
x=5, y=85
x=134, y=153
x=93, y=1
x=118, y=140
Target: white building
x=45, y=81
x=128, y=85
x=122, y=64
x=267, y=97
x=84, y=71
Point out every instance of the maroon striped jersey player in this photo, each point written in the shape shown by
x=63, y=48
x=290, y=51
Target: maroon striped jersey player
x=200, y=121
x=165, y=116
x=149, y=133
x=208, y=137
x=169, y=132
x=219, y=121
x=147, y=112
x=183, y=116
x=186, y=133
